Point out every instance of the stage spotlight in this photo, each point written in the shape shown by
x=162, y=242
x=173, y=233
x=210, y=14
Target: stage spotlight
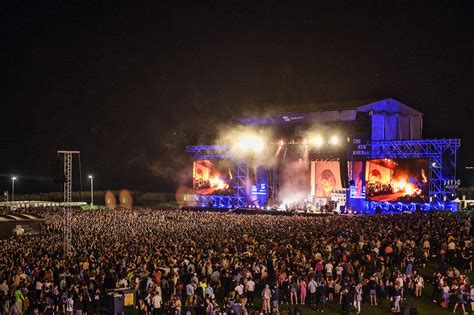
x=318, y=141
x=334, y=140
x=250, y=142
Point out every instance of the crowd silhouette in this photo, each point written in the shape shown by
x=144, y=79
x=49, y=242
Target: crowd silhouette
x=215, y=263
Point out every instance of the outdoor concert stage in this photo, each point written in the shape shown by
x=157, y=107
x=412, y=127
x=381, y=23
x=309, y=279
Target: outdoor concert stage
x=30, y=223
x=367, y=158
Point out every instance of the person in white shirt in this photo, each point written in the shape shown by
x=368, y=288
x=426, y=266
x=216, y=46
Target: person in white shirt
x=239, y=289
x=123, y=283
x=69, y=305
x=39, y=290
x=189, y=293
x=399, y=282
x=156, y=302
x=339, y=270
x=209, y=292
x=329, y=268
x=419, y=285
x=312, y=286
x=250, y=289
x=18, y=231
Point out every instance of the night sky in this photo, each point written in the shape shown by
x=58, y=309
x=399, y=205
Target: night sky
x=131, y=86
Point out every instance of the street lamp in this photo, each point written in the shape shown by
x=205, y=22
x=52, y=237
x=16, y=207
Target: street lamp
x=13, y=188
x=92, y=190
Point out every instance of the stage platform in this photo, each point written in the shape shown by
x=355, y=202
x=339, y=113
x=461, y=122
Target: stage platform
x=30, y=223
x=254, y=211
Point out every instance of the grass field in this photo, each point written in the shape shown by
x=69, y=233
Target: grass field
x=423, y=304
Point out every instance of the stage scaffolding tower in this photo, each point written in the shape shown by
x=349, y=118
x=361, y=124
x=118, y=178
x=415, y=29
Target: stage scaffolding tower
x=240, y=173
x=67, y=228
x=441, y=154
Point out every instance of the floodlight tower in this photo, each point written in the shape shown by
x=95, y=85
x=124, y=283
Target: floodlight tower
x=13, y=188
x=92, y=190
x=67, y=155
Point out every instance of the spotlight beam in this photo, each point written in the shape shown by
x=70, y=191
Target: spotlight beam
x=250, y=143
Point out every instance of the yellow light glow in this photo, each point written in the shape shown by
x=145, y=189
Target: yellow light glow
x=318, y=141
x=250, y=142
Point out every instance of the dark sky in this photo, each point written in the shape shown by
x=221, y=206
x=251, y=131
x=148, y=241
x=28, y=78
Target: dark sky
x=131, y=86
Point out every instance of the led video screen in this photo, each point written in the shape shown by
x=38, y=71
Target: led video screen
x=358, y=175
x=397, y=180
x=327, y=178
x=213, y=177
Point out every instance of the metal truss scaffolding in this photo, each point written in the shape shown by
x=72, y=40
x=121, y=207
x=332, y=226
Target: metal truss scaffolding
x=67, y=228
x=441, y=154
x=240, y=173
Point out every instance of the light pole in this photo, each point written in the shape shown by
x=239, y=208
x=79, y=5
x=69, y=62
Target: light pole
x=13, y=188
x=92, y=190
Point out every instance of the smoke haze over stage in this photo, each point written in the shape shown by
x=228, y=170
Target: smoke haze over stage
x=369, y=157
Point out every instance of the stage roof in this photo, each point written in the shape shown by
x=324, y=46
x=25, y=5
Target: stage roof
x=335, y=111
x=389, y=105
x=20, y=217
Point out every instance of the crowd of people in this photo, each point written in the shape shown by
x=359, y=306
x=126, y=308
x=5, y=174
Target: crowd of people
x=223, y=263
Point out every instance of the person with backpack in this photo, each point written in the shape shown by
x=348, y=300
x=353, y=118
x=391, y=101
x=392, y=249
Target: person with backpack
x=312, y=287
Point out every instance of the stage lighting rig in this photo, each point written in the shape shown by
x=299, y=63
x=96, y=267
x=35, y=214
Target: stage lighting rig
x=251, y=143
x=318, y=141
x=334, y=140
